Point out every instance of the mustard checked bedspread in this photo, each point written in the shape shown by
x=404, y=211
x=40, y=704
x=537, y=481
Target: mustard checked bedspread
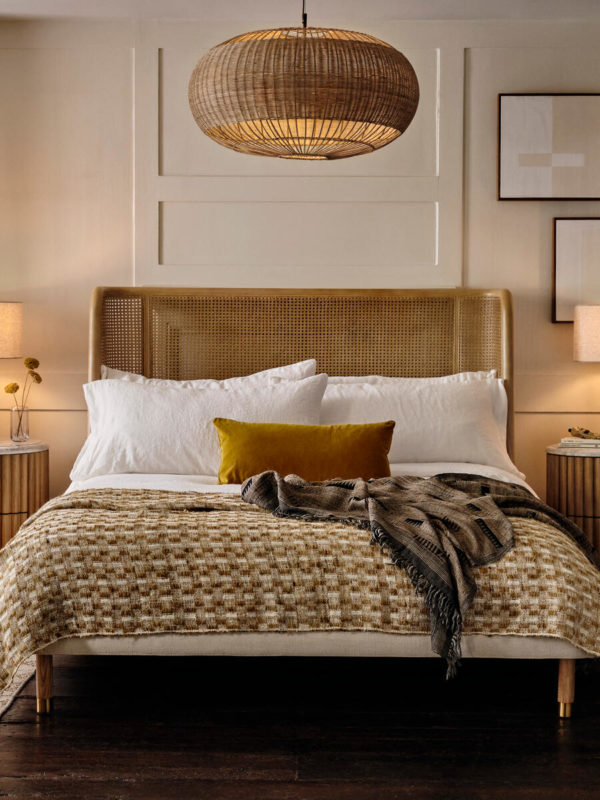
x=123, y=562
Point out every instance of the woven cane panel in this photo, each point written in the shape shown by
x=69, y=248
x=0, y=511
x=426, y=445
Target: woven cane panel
x=479, y=335
x=122, y=341
x=193, y=336
x=221, y=337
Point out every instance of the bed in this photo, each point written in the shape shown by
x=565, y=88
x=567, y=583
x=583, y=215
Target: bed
x=186, y=334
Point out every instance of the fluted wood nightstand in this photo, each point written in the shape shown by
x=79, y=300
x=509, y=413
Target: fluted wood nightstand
x=573, y=486
x=23, y=483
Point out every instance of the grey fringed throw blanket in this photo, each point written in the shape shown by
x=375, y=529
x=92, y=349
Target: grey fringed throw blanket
x=437, y=528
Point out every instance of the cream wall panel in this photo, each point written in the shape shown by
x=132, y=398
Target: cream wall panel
x=185, y=150
x=513, y=240
x=303, y=190
x=342, y=236
x=367, y=243
x=549, y=393
x=36, y=33
x=66, y=204
x=59, y=390
x=510, y=242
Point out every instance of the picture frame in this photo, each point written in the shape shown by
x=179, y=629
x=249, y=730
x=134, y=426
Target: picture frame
x=548, y=146
x=576, y=254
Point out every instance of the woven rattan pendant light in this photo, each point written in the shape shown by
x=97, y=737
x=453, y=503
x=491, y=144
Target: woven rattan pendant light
x=308, y=93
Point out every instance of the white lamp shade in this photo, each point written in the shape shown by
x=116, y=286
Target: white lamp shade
x=11, y=328
x=586, y=333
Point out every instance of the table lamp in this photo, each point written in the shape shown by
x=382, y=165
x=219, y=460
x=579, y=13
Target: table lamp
x=586, y=333
x=586, y=347
x=11, y=328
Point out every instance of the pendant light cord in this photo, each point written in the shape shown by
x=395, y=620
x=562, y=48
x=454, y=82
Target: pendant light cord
x=304, y=14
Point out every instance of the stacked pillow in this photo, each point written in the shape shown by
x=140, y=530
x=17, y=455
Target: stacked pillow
x=162, y=426
x=455, y=418
x=152, y=425
x=293, y=372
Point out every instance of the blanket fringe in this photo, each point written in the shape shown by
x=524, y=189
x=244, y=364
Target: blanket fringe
x=443, y=612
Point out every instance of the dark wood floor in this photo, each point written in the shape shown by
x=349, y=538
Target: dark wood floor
x=288, y=729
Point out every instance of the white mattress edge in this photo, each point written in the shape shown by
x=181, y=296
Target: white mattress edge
x=336, y=643
x=209, y=483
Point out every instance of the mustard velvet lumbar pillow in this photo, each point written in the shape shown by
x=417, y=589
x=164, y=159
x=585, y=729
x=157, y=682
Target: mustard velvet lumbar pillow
x=314, y=452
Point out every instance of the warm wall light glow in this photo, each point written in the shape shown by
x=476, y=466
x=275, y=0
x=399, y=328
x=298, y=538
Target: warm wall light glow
x=11, y=328
x=586, y=333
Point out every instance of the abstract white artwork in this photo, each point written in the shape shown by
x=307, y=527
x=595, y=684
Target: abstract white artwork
x=549, y=147
x=576, y=265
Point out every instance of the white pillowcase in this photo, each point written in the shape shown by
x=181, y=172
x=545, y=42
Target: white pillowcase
x=292, y=372
x=158, y=428
x=436, y=419
x=455, y=377
x=499, y=399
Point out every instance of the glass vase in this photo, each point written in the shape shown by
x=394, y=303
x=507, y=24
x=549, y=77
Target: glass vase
x=19, y=424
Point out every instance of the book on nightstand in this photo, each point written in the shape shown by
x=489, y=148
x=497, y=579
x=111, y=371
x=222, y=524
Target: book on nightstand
x=573, y=441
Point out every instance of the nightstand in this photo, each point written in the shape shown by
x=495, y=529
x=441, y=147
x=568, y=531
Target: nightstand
x=573, y=486
x=23, y=483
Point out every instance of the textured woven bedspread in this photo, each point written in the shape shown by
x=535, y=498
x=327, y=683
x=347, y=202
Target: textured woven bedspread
x=134, y=561
x=438, y=529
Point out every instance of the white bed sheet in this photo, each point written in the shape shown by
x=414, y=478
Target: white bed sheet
x=209, y=483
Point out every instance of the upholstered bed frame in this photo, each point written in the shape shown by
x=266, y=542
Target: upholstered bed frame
x=218, y=333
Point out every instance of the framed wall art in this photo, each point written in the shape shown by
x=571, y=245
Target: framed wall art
x=576, y=265
x=548, y=147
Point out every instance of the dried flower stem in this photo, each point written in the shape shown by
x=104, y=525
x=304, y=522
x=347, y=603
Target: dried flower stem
x=21, y=408
x=12, y=388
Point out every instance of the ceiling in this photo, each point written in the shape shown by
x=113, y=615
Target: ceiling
x=284, y=11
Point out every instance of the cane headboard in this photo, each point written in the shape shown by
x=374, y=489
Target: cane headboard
x=218, y=333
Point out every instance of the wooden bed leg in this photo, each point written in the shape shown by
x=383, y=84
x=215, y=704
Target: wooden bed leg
x=43, y=684
x=566, y=686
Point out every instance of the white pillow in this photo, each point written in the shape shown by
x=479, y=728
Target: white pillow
x=436, y=420
x=455, y=377
x=150, y=428
x=499, y=399
x=293, y=372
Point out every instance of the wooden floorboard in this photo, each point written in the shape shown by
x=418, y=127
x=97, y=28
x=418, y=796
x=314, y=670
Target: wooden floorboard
x=293, y=729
